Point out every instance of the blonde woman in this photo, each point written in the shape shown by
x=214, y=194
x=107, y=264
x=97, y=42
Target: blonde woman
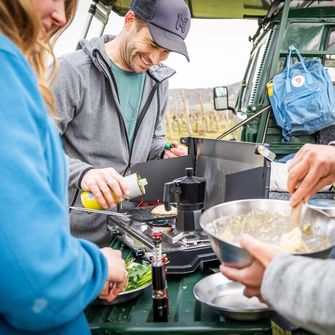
x=47, y=276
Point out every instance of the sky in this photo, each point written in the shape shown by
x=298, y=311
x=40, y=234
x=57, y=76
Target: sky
x=218, y=49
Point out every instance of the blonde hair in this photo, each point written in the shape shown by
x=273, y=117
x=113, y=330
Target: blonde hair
x=21, y=23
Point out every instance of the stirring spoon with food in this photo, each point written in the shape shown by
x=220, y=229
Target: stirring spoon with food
x=291, y=240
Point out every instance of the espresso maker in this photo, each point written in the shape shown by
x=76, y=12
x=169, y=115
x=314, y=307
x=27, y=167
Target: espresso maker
x=189, y=194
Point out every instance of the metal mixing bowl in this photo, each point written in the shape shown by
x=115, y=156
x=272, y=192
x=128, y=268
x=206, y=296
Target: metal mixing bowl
x=226, y=298
x=234, y=255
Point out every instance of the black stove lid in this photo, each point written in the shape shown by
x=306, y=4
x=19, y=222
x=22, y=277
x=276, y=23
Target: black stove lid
x=143, y=214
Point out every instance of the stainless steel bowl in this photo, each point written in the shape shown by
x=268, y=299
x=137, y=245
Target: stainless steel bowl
x=129, y=295
x=325, y=205
x=226, y=297
x=123, y=296
x=236, y=256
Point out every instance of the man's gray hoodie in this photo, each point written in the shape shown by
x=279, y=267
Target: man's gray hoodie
x=93, y=127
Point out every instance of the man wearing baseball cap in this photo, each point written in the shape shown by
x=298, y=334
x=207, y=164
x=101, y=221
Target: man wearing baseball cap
x=168, y=22
x=111, y=96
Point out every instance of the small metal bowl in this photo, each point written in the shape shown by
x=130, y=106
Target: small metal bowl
x=122, y=297
x=226, y=298
x=325, y=205
x=129, y=295
x=235, y=255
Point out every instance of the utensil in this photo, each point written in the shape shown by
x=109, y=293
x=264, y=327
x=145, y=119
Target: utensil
x=123, y=216
x=235, y=255
x=226, y=297
x=292, y=240
x=294, y=219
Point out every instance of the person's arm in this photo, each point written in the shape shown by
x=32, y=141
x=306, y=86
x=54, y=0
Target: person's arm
x=302, y=290
x=68, y=90
x=299, y=288
x=158, y=140
x=48, y=276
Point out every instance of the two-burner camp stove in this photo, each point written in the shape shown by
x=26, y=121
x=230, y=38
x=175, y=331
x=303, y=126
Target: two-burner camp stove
x=223, y=171
x=185, y=251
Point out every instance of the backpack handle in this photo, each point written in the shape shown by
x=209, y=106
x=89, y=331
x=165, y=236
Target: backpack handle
x=292, y=49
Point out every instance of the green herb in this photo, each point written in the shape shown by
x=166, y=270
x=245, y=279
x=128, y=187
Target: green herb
x=138, y=274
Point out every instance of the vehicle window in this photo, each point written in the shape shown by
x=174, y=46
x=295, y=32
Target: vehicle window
x=304, y=36
x=307, y=37
x=331, y=40
x=294, y=59
x=329, y=62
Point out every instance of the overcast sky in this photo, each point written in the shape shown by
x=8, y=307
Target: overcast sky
x=218, y=49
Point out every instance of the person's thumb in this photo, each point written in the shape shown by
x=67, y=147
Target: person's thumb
x=263, y=252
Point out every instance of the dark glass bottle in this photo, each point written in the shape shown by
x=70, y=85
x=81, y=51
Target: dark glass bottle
x=159, y=287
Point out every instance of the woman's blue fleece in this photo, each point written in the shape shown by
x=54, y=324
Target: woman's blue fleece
x=47, y=277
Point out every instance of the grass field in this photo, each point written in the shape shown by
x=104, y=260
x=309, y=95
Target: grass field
x=190, y=112
x=209, y=124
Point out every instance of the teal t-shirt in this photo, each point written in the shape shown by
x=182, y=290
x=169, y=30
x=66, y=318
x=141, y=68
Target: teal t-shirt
x=130, y=88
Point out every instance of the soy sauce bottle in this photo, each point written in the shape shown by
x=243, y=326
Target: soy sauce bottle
x=159, y=287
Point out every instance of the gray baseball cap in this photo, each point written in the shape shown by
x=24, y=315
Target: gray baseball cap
x=168, y=22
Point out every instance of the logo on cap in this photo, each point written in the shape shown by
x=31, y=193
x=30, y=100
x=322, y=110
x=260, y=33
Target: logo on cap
x=181, y=23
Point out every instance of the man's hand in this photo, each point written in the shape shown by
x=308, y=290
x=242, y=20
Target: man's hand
x=101, y=182
x=177, y=150
x=312, y=168
x=252, y=275
x=117, y=277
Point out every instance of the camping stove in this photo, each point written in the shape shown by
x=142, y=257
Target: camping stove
x=185, y=251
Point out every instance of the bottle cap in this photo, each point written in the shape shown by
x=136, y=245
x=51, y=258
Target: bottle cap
x=168, y=146
x=143, y=182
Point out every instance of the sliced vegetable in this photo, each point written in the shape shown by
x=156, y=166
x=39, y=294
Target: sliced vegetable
x=138, y=274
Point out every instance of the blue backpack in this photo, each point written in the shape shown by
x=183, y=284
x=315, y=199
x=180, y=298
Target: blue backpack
x=302, y=97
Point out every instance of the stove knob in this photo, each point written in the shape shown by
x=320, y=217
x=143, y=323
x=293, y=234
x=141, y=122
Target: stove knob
x=140, y=252
x=114, y=231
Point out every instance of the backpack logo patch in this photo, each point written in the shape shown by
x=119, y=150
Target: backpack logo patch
x=298, y=81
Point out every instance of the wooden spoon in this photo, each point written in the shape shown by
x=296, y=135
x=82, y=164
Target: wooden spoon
x=292, y=240
x=294, y=219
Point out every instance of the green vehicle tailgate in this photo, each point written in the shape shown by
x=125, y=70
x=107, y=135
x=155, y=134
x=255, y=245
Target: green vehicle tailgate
x=186, y=315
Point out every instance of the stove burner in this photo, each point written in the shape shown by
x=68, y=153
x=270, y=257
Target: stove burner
x=184, y=250
x=191, y=239
x=143, y=214
x=194, y=238
x=163, y=229
x=161, y=222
